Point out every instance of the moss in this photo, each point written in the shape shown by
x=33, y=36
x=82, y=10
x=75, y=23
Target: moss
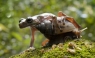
x=78, y=48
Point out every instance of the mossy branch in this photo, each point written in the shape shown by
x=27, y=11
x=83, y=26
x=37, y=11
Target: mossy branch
x=78, y=48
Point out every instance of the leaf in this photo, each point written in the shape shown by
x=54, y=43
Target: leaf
x=17, y=36
x=3, y=28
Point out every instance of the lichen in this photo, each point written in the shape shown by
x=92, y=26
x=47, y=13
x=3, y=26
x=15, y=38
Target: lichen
x=78, y=48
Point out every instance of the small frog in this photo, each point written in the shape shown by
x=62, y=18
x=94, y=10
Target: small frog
x=56, y=28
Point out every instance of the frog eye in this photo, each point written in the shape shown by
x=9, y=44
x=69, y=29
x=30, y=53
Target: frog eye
x=29, y=20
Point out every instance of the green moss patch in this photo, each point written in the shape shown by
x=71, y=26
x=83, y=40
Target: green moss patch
x=78, y=48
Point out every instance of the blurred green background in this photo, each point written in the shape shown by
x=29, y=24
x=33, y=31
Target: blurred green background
x=13, y=40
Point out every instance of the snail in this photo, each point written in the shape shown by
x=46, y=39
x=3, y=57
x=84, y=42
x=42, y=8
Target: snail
x=55, y=28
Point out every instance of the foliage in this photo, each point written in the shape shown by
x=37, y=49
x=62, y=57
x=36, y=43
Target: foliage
x=82, y=49
x=13, y=39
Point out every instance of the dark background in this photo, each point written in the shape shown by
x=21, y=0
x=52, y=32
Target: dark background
x=13, y=40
